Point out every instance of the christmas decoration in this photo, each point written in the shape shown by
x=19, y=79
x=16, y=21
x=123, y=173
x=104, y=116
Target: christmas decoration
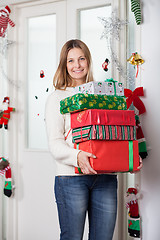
x=5, y=170
x=10, y=81
x=141, y=139
x=131, y=200
x=4, y=44
x=8, y=182
x=133, y=97
x=136, y=9
x=112, y=26
x=111, y=156
x=4, y=20
x=124, y=73
x=89, y=101
x=105, y=65
x=3, y=163
x=6, y=113
x=42, y=74
x=136, y=60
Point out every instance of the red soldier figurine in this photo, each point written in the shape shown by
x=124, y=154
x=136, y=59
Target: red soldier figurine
x=4, y=20
x=133, y=213
x=6, y=113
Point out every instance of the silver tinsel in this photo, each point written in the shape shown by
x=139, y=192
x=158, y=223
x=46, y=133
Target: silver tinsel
x=4, y=45
x=10, y=81
x=112, y=26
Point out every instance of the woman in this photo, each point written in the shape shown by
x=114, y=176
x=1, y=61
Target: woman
x=77, y=194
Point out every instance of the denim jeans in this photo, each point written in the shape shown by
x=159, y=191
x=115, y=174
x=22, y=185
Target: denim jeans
x=77, y=195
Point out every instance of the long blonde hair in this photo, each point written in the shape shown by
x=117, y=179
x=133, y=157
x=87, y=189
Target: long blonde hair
x=61, y=78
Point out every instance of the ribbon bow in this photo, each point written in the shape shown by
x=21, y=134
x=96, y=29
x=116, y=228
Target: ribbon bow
x=134, y=97
x=110, y=80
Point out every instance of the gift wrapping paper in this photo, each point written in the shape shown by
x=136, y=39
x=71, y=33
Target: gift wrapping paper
x=111, y=156
x=102, y=117
x=110, y=87
x=103, y=132
x=80, y=101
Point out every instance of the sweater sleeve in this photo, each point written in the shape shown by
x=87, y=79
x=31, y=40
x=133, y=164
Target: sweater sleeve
x=55, y=125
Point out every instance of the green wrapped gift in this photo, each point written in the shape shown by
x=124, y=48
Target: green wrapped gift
x=82, y=101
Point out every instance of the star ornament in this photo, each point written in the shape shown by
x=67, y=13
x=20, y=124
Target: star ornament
x=112, y=26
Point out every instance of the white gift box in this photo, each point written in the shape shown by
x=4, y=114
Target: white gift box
x=110, y=87
x=91, y=88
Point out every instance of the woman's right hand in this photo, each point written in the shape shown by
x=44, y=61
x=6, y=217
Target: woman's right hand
x=84, y=164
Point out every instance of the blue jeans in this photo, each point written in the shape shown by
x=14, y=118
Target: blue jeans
x=77, y=195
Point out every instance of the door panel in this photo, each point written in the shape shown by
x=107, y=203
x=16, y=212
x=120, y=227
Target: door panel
x=40, y=44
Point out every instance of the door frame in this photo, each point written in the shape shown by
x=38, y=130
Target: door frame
x=12, y=204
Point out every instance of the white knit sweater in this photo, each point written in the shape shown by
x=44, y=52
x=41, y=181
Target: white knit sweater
x=58, y=126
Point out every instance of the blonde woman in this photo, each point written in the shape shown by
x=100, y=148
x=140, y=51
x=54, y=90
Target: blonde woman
x=89, y=192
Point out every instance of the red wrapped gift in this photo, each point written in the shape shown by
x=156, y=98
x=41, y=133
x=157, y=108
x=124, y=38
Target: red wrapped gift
x=102, y=117
x=111, y=156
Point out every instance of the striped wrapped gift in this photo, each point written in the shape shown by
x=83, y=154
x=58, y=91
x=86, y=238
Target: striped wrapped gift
x=103, y=132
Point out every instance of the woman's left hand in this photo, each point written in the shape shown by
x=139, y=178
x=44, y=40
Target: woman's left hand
x=140, y=165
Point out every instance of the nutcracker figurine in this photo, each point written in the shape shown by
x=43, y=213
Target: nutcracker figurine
x=6, y=113
x=4, y=20
x=131, y=199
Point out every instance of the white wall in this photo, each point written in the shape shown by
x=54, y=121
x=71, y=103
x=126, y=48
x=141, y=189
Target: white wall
x=150, y=176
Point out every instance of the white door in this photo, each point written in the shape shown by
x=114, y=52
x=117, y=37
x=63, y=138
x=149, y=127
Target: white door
x=41, y=34
x=42, y=29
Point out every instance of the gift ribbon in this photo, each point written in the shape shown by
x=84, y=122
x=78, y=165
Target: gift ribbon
x=111, y=80
x=134, y=97
x=130, y=156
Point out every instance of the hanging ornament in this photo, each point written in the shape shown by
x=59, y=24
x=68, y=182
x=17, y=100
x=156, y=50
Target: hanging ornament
x=42, y=74
x=4, y=20
x=5, y=170
x=136, y=9
x=112, y=26
x=105, y=65
x=131, y=199
x=6, y=113
x=136, y=60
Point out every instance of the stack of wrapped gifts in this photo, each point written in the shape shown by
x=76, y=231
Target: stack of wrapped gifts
x=102, y=125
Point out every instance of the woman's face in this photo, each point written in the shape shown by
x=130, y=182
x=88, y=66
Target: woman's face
x=77, y=66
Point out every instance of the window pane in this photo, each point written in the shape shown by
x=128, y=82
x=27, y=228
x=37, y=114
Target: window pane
x=41, y=56
x=90, y=31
